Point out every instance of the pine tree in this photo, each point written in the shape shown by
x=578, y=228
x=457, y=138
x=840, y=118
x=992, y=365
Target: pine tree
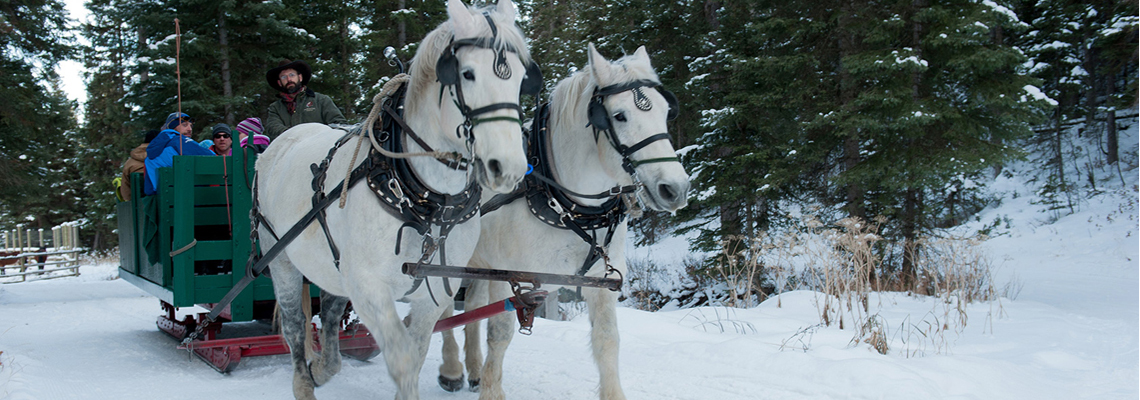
x=969, y=101
x=35, y=117
x=108, y=133
x=872, y=108
x=401, y=24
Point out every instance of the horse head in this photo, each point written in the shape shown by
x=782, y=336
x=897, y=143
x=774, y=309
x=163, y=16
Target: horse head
x=472, y=69
x=629, y=113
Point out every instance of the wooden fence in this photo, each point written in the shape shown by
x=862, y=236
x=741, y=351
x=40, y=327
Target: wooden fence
x=27, y=253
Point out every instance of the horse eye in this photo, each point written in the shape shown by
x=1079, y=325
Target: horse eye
x=468, y=75
x=620, y=117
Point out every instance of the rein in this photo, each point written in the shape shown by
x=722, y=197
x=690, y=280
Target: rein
x=418, y=207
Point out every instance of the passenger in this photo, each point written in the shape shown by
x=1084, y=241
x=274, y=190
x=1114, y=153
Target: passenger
x=297, y=104
x=135, y=163
x=180, y=122
x=223, y=140
x=252, y=127
x=172, y=141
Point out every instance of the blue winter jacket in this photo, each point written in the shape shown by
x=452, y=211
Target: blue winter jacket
x=161, y=151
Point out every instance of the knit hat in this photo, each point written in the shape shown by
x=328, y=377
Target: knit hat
x=206, y=143
x=172, y=120
x=250, y=126
x=221, y=128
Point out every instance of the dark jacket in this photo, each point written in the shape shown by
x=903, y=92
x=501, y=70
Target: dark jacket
x=161, y=151
x=312, y=107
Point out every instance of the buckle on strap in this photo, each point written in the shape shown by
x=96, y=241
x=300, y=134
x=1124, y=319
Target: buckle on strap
x=618, y=190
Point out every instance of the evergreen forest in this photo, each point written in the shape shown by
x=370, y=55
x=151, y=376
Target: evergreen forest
x=890, y=111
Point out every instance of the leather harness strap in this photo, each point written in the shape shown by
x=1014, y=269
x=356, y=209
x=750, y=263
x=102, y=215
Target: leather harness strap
x=551, y=203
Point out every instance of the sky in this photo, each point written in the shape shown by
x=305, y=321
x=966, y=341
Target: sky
x=71, y=72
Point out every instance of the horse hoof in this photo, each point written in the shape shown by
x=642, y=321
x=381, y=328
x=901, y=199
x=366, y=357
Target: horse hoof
x=451, y=385
x=473, y=384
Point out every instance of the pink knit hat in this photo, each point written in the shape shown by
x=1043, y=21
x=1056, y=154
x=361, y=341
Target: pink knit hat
x=250, y=126
x=257, y=140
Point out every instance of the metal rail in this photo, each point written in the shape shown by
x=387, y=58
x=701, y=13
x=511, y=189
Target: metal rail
x=535, y=278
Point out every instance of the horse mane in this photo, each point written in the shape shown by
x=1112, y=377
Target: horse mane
x=510, y=37
x=571, y=96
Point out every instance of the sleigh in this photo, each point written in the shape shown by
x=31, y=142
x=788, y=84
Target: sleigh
x=188, y=245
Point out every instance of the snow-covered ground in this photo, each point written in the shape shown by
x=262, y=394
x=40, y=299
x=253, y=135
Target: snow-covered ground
x=1068, y=330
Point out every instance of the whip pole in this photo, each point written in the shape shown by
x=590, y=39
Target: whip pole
x=178, y=73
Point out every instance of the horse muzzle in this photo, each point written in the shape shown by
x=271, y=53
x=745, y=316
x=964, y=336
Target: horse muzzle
x=499, y=176
x=667, y=196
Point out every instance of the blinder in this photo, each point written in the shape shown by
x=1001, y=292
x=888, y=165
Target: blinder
x=447, y=67
x=599, y=118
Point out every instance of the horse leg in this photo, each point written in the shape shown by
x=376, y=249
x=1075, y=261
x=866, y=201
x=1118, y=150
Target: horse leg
x=472, y=341
x=451, y=372
x=327, y=363
x=604, y=340
x=500, y=331
x=377, y=309
x=287, y=282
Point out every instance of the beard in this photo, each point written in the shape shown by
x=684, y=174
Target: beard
x=292, y=88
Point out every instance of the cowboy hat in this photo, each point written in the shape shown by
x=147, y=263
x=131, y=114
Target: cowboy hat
x=300, y=66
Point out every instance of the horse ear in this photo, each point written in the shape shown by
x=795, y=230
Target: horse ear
x=507, y=8
x=599, y=65
x=461, y=18
x=641, y=53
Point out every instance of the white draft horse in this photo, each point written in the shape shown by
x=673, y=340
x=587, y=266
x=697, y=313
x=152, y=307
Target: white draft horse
x=461, y=98
x=584, y=159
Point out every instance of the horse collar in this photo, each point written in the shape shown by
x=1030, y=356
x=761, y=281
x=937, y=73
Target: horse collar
x=404, y=194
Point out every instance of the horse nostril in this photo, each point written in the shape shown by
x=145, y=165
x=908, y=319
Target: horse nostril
x=494, y=168
x=667, y=192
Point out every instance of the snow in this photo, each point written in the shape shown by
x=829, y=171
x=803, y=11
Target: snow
x=1067, y=328
x=1037, y=94
x=1003, y=10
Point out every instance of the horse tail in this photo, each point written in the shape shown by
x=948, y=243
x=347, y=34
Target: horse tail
x=307, y=307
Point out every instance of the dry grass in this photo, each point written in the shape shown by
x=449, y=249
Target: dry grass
x=843, y=263
x=722, y=321
x=738, y=265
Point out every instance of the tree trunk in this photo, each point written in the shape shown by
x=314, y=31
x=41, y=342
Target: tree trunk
x=345, y=65
x=916, y=37
x=224, y=55
x=1058, y=149
x=911, y=200
x=144, y=74
x=1112, y=140
x=401, y=30
x=1089, y=64
x=847, y=87
x=912, y=203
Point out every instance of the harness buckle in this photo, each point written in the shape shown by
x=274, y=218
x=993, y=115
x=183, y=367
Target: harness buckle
x=428, y=248
x=394, y=186
x=557, y=207
x=445, y=214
